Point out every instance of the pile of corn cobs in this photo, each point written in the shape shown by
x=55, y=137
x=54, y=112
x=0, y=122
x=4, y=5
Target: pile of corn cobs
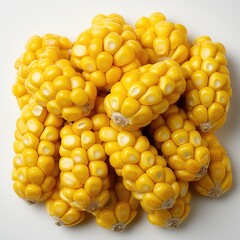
x=122, y=119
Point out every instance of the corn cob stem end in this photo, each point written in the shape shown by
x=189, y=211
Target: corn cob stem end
x=119, y=119
x=118, y=227
x=173, y=223
x=168, y=204
x=205, y=126
x=215, y=192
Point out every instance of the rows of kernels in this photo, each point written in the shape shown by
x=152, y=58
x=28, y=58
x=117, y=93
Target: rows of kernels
x=208, y=90
x=84, y=171
x=39, y=52
x=61, y=212
x=143, y=94
x=162, y=39
x=179, y=141
x=218, y=179
x=36, y=147
x=144, y=172
x=62, y=90
x=120, y=209
x=173, y=217
x=107, y=50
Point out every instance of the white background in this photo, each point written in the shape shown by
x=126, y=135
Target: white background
x=19, y=19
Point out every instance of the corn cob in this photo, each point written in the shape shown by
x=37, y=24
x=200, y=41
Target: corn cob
x=40, y=52
x=107, y=50
x=173, y=217
x=120, y=209
x=162, y=39
x=62, y=90
x=179, y=141
x=61, y=212
x=218, y=179
x=208, y=90
x=143, y=94
x=144, y=172
x=84, y=172
x=35, y=165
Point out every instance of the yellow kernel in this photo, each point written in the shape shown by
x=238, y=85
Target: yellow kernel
x=87, y=139
x=215, y=112
x=186, y=151
x=51, y=72
x=93, y=186
x=164, y=191
x=46, y=148
x=81, y=171
x=79, y=156
x=33, y=192
x=112, y=43
x=68, y=179
x=144, y=183
x=180, y=136
x=131, y=172
x=222, y=97
x=96, y=152
x=35, y=175
x=156, y=173
x=98, y=169
x=136, y=90
x=199, y=79
x=34, y=126
x=206, y=96
x=46, y=164
x=88, y=64
x=54, y=108
x=98, y=79
x=113, y=75
x=104, y=61
x=115, y=160
x=147, y=160
x=167, y=85
x=111, y=147
x=169, y=148
x=200, y=113
x=195, y=138
x=162, y=134
x=71, y=141
x=66, y=164
x=99, y=121
x=161, y=46
x=130, y=155
x=30, y=140
x=72, y=113
x=125, y=139
x=124, y=56
x=141, y=144
x=192, y=166
x=151, y=97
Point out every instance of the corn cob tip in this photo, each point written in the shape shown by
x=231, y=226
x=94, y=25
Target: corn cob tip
x=119, y=119
x=30, y=202
x=93, y=207
x=205, y=127
x=118, y=227
x=57, y=221
x=215, y=192
x=168, y=204
x=173, y=223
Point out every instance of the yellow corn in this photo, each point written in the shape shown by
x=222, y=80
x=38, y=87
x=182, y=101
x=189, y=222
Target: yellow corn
x=61, y=212
x=107, y=50
x=36, y=147
x=179, y=141
x=173, y=217
x=162, y=39
x=120, y=209
x=144, y=172
x=143, y=94
x=39, y=53
x=218, y=179
x=62, y=90
x=208, y=89
x=84, y=172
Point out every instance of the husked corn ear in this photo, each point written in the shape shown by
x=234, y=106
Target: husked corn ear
x=35, y=164
x=162, y=39
x=144, y=172
x=61, y=211
x=174, y=216
x=62, y=90
x=179, y=141
x=144, y=93
x=84, y=172
x=208, y=90
x=120, y=209
x=218, y=179
x=107, y=50
x=40, y=52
